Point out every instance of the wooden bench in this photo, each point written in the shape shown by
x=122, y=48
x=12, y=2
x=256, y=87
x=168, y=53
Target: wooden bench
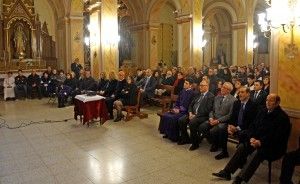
x=134, y=110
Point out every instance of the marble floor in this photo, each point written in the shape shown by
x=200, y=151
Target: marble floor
x=128, y=153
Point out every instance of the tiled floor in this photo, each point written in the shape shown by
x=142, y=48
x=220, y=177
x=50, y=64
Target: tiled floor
x=67, y=152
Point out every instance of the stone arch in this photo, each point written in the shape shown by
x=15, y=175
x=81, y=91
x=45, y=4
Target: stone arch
x=218, y=32
x=76, y=7
x=154, y=7
x=133, y=9
x=232, y=14
x=58, y=7
x=221, y=5
x=153, y=15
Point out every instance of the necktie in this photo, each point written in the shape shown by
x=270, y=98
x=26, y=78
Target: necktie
x=255, y=95
x=241, y=113
x=147, y=80
x=222, y=99
x=198, y=103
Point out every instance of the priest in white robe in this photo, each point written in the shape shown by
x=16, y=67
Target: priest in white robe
x=9, y=85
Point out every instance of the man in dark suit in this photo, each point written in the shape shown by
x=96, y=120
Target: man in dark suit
x=289, y=162
x=169, y=79
x=116, y=94
x=88, y=83
x=147, y=87
x=76, y=67
x=258, y=95
x=198, y=113
x=34, y=82
x=243, y=114
x=218, y=117
x=21, y=84
x=266, y=139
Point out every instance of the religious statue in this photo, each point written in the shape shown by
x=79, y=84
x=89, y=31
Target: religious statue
x=20, y=41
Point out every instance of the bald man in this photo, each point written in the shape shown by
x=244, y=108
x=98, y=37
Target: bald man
x=266, y=139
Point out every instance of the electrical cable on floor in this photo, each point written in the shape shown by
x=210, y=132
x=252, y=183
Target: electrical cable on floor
x=3, y=123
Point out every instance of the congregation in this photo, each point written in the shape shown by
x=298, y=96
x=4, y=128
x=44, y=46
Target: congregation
x=212, y=103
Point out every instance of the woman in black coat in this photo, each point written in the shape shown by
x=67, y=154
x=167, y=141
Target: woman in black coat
x=128, y=97
x=102, y=81
x=110, y=85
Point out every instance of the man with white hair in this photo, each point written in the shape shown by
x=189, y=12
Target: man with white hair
x=218, y=117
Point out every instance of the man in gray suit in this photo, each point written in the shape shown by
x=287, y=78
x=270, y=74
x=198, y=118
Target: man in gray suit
x=199, y=110
x=218, y=117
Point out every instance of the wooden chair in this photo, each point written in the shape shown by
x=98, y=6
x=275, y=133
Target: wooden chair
x=165, y=101
x=134, y=110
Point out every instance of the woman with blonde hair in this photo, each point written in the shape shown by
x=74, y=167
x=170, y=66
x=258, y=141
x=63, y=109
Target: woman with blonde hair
x=110, y=86
x=102, y=81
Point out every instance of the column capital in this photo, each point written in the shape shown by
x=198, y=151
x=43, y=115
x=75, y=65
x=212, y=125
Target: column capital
x=184, y=18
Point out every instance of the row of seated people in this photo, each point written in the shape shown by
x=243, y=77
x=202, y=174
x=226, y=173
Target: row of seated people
x=262, y=129
x=22, y=87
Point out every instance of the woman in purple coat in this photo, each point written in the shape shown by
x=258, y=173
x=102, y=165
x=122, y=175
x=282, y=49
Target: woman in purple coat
x=168, y=122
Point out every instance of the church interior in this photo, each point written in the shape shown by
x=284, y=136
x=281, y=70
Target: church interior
x=117, y=91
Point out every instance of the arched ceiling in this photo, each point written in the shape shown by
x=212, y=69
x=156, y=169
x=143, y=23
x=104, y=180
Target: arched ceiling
x=59, y=7
x=235, y=7
x=154, y=7
x=219, y=19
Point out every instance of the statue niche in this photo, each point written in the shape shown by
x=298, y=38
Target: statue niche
x=20, y=41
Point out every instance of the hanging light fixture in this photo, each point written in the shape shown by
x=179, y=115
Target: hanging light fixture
x=282, y=14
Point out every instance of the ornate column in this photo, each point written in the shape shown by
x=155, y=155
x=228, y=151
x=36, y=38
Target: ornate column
x=1, y=31
x=197, y=33
x=109, y=35
x=61, y=43
x=104, y=36
x=239, y=42
x=86, y=35
x=184, y=36
x=250, y=34
x=68, y=59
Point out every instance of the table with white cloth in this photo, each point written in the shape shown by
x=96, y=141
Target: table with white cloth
x=89, y=108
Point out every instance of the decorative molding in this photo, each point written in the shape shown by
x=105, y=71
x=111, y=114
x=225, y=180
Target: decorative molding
x=239, y=25
x=143, y=26
x=292, y=113
x=184, y=19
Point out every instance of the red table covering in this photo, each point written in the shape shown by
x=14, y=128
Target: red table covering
x=89, y=111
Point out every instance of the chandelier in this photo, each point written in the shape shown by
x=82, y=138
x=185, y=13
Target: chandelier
x=283, y=14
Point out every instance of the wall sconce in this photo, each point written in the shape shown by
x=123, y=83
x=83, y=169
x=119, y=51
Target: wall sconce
x=288, y=18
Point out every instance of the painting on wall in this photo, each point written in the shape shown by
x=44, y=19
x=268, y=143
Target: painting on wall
x=263, y=46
